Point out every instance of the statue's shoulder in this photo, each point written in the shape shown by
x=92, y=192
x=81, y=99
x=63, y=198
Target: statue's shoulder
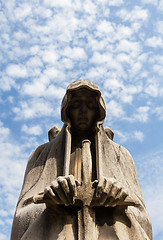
x=119, y=149
x=39, y=149
x=55, y=142
x=55, y=135
x=36, y=153
x=110, y=135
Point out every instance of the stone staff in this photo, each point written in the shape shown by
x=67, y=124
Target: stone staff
x=85, y=192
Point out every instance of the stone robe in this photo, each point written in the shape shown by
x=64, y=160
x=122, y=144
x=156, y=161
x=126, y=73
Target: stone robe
x=36, y=222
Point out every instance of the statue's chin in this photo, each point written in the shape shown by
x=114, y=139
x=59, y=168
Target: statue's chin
x=83, y=126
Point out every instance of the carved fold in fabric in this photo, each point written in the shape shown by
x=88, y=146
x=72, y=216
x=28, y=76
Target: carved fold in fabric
x=76, y=164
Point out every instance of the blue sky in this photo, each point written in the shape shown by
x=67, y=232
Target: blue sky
x=47, y=44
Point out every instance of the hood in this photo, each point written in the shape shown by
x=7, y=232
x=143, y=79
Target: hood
x=75, y=86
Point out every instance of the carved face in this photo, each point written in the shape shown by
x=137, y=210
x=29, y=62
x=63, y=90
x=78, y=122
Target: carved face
x=82, y=110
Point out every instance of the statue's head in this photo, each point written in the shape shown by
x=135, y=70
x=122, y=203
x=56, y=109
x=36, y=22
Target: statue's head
x=82, y=105
x=83, y=109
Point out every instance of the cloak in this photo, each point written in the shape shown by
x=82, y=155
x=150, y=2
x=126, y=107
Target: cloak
x=50, y=160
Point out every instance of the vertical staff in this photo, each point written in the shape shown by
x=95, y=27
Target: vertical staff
x=86, y=216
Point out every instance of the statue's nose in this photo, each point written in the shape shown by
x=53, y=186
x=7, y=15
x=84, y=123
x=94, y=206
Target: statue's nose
x=83, y=107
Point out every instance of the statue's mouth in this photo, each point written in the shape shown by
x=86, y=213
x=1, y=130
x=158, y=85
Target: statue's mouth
x=83, y=120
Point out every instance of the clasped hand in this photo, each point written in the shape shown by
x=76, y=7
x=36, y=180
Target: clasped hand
x=62, y=191
x=109, y=192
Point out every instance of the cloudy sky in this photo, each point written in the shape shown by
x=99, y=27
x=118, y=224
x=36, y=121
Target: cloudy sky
x=47, y=44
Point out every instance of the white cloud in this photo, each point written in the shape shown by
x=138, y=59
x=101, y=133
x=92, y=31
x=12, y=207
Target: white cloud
x=11, y=166
x=3, y=213
x=158, y=59
x=34, y=66
x=3, y=237
x=129, y=136
x=6, y=83
x=115, y=2
x=154, y=2
x=37, y=88
x=42, y=88
x=113, y=88
x=95, y=73
x=136, y=26
x=52, y=73
x=137, y=14
x=95, y=44
x=111, y=32
x=160, y=6
x=139, y=136
x=130, y=47
x=135, y=69
x=123, y=32
x=34, y=62
x=32, y=130
x=159, y=27
x=49, y=56
x=117, y=89
x=89, y=7
x=104, y=27
x=141, y=114
x=3, y=22
x=159, y=112
x=107, y=60
x=22, y=11
x=40, y=9
x=99, y=58
x=67, y=63
x=75, y=53
x=16, y=71
x=55, y=92
x=154, y=42
x=21, y=36
x=124, y=58
x=134, y=89
x=2, y=222
x=115, y=109
x=158, y=68
x=4, y=132
x=56, y=4
x=35, y=49
x=34, y=108
x=113, y=84
x=152, y=90
x=10, y=99
x=9, y=6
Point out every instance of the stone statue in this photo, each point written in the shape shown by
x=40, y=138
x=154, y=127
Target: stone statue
x=81, y=185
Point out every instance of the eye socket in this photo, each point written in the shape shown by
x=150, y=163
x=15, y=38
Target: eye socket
x=90, y=105
x=75, y=104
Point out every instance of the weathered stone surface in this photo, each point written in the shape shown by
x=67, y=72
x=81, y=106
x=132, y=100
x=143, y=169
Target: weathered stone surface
x=81, y=185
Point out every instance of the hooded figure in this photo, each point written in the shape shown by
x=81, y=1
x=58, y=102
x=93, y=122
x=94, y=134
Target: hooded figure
x=50, y=206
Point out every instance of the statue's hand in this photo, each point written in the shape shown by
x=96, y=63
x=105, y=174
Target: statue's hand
x=109, y=193
x=62, y=191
